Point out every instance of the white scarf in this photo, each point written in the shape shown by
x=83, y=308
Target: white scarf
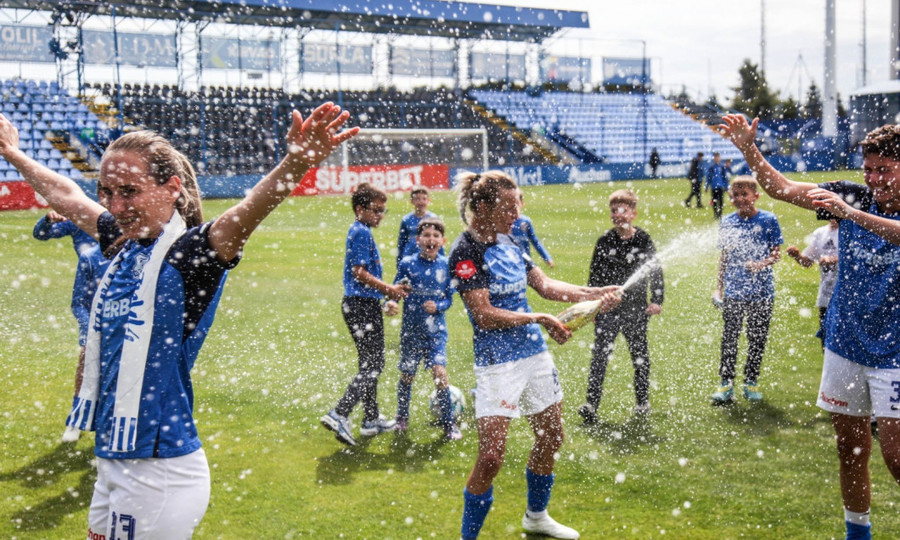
x=122, y=433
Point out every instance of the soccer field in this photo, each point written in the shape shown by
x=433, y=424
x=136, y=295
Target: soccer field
x=279, y=356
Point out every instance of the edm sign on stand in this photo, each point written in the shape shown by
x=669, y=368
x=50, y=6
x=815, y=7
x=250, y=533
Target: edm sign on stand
x=228, y=53
x=25, y=43
x=156, y=50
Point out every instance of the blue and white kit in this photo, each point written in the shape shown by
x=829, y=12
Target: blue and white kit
x=409, y=229
x=524, y=235
x=743, y=240
x=45, y=229
x=423, y=334
x=361, y=250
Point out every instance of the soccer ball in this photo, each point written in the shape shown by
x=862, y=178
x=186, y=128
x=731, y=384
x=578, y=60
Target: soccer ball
x=457, y=403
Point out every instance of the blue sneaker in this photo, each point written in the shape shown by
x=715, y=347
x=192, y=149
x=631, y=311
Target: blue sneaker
x=751, y=392
x=723, y=394
x=370, y=428
x=341, y=427
x=856, y=531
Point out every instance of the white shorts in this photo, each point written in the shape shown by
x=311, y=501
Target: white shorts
x=856, y=390
x=154, y=498
x=527, y=386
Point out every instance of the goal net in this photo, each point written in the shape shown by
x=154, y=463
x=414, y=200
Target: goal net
x=454, y=148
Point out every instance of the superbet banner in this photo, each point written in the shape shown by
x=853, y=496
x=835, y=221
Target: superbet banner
x=19, y=196
x=390, y=178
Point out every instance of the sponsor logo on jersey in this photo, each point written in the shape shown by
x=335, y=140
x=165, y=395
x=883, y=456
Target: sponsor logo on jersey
x=832, y=401
x=465, y=269
x=116, y=308
x=507, y=405
x=508, y=288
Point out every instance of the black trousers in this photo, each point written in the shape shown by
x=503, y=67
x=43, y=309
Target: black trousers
x=364, y=320
x=633, y=325
x=758, y=316
x=695, y=192
x=718, y=194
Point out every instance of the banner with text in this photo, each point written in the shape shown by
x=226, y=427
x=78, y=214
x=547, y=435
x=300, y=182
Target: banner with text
x=156, y=50
x=626, y=71
x=509, y=67
x=423, y=62
x=566, y=69
x=228, y=53
x=328, y=58
x=25, y=43
x=390, y=178
x=19, y=196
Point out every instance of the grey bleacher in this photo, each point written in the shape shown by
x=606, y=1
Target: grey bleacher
x=610, y=125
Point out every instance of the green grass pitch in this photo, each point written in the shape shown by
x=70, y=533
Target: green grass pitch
x=279, y=356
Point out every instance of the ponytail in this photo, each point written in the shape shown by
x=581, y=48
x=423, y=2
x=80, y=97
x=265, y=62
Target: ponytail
x=474, y=190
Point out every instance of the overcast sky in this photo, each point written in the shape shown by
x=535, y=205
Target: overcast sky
x=701, y=43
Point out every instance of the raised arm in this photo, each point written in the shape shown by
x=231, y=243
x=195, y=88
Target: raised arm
x=61, y=193
x=743, y=136
x=309, y=142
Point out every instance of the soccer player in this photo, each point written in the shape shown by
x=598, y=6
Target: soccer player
x=53, y=225
x=406, y=239
x=717, y=183
x=861, y=372
x=423, y=334
x=362, y=309
x=750, y=243
x=514, y=372
x=524, y=235
x=153, y=310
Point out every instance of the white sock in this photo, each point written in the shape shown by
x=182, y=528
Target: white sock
x=535, y=515
x=859, y=518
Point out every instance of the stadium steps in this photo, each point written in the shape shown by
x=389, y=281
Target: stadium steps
x=540, y=147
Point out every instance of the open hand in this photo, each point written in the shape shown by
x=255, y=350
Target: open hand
x=312, y=140
x=9, y=137
x=735, y=128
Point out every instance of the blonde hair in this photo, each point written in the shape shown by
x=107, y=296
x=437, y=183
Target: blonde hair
x=623, y=196
x=746, y=181
x=163, y=162
x=475, y=189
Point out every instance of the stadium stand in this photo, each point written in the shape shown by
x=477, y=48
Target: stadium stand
x=52, y=126
x=226, y=130
x=609, y=126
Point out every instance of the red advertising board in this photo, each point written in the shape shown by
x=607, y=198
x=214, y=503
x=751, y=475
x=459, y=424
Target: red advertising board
x=19, y=196
x=390, y=178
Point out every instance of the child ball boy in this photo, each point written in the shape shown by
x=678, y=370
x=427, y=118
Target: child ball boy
x=361, y=306
x=822, y=250
x=420, y=198
x=619, y=253
x=717, y=183
x=423, y=334
x=749, y=240
x=524, y=235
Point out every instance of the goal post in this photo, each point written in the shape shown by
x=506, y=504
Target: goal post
x=455, y=148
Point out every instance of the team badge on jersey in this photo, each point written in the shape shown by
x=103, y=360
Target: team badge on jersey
x=465, y=269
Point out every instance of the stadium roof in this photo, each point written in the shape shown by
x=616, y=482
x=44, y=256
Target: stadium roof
x=891, y=86
x=417, y=17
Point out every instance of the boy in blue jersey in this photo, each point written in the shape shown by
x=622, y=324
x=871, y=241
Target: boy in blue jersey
x=750, y=243
x=406, y=239
x=423, y=335
x=524, y=235
x=861, y=371
x=53, y=225
x=717, y=183
x=361, y=306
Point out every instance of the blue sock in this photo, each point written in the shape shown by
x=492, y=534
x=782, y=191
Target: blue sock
x=856, y=531
x=474, y=511
x=443, y=397
x=539, y=488
x=404, y=395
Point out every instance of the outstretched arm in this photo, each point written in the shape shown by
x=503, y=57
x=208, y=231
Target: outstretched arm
x=309, y=142
x=743, y=136
x=488, y=317
x=889, y=229
x=61, y=193
x=560, y=291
